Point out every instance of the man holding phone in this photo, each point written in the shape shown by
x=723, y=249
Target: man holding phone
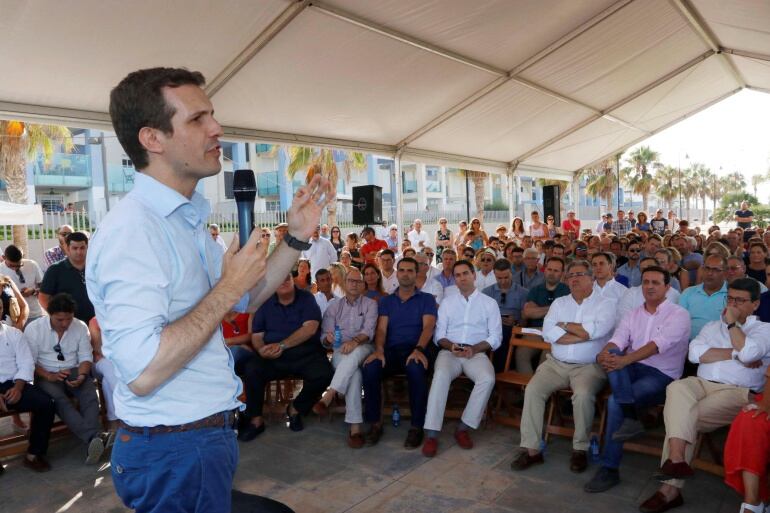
x=468, y=326
x=62, y=352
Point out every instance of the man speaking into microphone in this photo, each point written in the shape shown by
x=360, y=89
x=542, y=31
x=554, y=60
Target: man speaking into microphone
x=161, y=286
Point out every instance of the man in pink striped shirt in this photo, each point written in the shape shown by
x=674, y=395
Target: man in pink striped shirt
x=645, y=354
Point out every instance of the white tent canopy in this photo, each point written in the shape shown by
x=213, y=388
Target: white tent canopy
x=554, y=85
x=15, y=214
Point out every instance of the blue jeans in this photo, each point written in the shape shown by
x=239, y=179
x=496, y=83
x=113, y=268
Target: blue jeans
x=637, y=384
x=395, y=363
x=190, y=471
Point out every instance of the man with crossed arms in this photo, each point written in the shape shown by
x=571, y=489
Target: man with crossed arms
x=577, y=326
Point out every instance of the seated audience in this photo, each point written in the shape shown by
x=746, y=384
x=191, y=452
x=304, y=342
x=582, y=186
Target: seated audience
x=323, y=282
x=530, y=277
x=424, y=282
x=645, y=354
x=634, y=297
x=485, y=276
x=468, y=326
x=61, y=349
x=236, y=330
x=733, y=354
x=372, y=246
x=630, y=269
x=510, y=298
x=386, y=262
x=446, y=277
x=736, y=268
x=706, y=301
x=577, y=327
x=18, y=394
x=404, y=329
x=285, y=335
x=373, y=282
x=355, y=316
x=603, y=268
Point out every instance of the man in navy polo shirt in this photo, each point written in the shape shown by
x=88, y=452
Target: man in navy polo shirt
x=404, y=330
x=285, y=334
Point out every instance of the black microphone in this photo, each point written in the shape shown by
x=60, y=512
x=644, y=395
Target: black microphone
x=245, y=191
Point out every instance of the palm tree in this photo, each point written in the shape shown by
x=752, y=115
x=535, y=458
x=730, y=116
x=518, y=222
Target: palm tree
x=703, y=179
x=665, y=184
x=478, y=178
x=20, y=142
x=639, y=174
x=322, y=160
x=689, y=187
x=602, y=181
x=735, y=182
x=756, y=180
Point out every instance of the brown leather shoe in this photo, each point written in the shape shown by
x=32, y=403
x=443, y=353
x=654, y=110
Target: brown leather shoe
x=39, y=464
x=413, y=438
x=320, y=409
x=658, y=503
x=523, y=460
x=670, y=470
x=355, y=440
x=578, y=462
x=374, y=434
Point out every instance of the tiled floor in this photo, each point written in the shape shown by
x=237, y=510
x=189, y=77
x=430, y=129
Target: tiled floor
x=314, y=471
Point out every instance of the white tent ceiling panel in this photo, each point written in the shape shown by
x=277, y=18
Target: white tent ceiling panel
x=620, y=55
x=505, y=124
x=329, y=78
x=739, y=25
x=585, y=145
x=70, y=54
x=683, y=93
x=757, y=72
x=497, y=32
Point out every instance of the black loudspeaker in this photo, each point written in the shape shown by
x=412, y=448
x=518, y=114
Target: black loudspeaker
x=551, y=205
x=367, y=205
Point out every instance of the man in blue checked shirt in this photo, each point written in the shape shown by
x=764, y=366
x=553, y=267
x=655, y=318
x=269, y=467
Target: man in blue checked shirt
x=161, y=286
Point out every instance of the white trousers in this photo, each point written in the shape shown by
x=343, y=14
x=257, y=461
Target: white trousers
x=105, y=373
x=347, y=380
x=448, y=367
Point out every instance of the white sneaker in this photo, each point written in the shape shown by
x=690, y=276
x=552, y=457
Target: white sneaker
x=746, y=508
x=95, y=450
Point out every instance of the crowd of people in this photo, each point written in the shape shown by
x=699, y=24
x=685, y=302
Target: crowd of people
x=660, y=312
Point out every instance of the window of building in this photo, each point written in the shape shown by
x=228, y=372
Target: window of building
x=228, y=177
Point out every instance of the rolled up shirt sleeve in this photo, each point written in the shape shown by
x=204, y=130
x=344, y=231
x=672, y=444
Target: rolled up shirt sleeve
x=551, y=332
x=327, y=324
x=132, y=298
x=757, y=346
x=622, y=335
x=85, y=349
x=700, y=344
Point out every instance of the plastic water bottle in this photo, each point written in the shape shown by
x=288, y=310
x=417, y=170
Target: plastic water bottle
x=337, y=337
x=594, y=449
x=396, y=417
x=543, y=446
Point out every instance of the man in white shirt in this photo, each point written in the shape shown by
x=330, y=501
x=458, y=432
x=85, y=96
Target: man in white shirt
x=214, y=231
x=468, y=326
x=62, y=352
x=634, y=297
x=485, y=277
x=323, y=281
x=386, y=260
x=17, y=395
x=577, y=326
x=27, y=276
x=321, y=253
x=603, y=267
x=733, y=354
x=418, y=237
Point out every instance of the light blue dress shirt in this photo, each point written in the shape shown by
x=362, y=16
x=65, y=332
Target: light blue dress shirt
x=149, y=263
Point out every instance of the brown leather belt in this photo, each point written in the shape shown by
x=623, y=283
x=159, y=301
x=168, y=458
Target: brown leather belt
x=226, y=418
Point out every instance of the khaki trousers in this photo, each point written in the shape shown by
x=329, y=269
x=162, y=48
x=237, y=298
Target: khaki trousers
x=696, y=405
x=585, y=380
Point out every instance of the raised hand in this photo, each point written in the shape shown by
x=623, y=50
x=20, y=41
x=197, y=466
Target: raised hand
x=309, y=201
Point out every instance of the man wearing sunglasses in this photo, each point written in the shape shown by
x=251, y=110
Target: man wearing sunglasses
x=630, y=269
x=62, y=352
x=26, y=274
x=732, y=353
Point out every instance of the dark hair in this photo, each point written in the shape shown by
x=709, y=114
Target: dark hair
x=502, y=264
x=13, y=254
x=653, y=259
x=408, y=260
x=321, y=272
x=77, y=237
x=388, y=251
x=749, y=285
x=366, y=230
x=353, y=236
x=61, y=303
x=517, y=249
x=379, y=276
x=549, y=244
x=138, y=102
x=331, y=231
x=557, y=258
x=658, y=269
x=610, y=258
x=464, y=262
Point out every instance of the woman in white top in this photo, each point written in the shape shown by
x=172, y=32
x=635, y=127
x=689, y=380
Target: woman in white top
x=517, y=230
x=537, y=230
